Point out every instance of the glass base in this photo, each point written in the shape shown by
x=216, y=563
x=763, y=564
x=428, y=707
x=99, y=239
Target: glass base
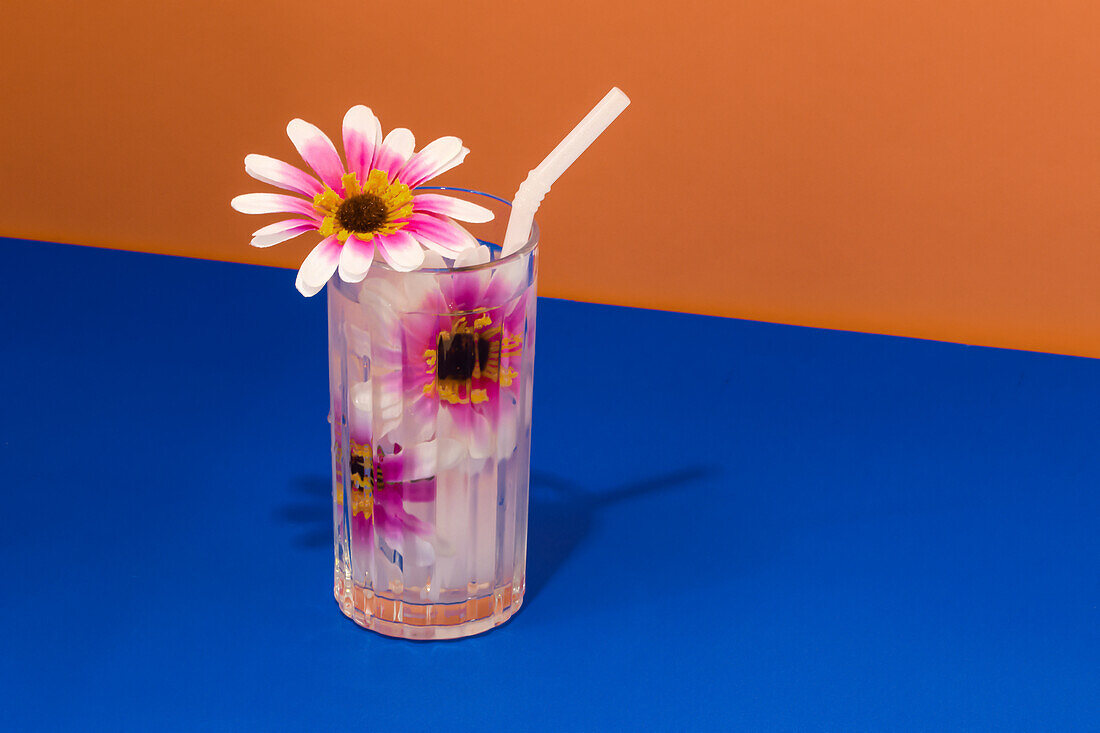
x=406, y=620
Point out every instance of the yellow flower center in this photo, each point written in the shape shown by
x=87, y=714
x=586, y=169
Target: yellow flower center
x=378, y=207
x=466, y=353
x=362, y=480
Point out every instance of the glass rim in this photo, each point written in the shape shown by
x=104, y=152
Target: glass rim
x=531, y=244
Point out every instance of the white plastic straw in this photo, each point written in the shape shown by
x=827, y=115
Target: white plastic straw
x=542, y=177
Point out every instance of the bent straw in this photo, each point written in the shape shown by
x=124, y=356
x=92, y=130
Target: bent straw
x=542, y=177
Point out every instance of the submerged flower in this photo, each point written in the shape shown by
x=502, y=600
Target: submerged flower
x=381, y=483
x=463, y=350
x=373, y=204
x=384, y=477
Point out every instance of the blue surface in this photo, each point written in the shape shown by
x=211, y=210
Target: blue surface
x=733, y=526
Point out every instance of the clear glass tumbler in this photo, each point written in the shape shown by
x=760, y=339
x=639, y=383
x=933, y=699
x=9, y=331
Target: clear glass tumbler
x=430, y=374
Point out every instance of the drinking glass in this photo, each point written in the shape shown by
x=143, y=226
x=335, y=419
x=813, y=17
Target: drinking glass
x=431, y=376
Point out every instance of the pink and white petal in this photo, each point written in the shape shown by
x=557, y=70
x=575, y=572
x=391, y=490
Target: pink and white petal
x=283, y=175
x=515, y=315
x=508, y=281
x=423, y=409
x=318, y=266
x=386, y=299
x=452, y=163
x=479, y=436
x=420, y=328
x=419, y=420
x=415, y=462
x=395, y=151
x=450, y=206
x=430, y=159
x=318, y=151
x=387, y=354
x=356, y=257
x=433, y=261
x=472, y=428
x=473, y=257
x=432, y=246
x=282, y=226
x=282, y=231
x=401, y=251
x=465, y=290
x=441, y=234
x=388, y=500
x=416, y=527
x=273, y=203
x=425, y=298
x=386, y=523
x=362, y=138
x=389, y=382
x=423, y=490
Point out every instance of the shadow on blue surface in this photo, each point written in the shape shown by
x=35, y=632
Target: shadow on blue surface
x=562, y=515
x=308, y=512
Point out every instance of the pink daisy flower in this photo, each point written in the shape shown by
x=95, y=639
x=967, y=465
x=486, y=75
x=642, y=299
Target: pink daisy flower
x=371, y=205
x=463, y=347
x=384, y=476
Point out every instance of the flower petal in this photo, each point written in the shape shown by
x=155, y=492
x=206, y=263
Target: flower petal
x=412, y=524
x=283, y=175
x=421, y=414
x=515, y=314
x=401, y=251
x=433, y=260
x=272, y=203
x=413, y=463
x=440, y=233
x=281, y=231
x=432, y=203
x=474, y=429
x=465, y=290
x=362, y=138
x=356, y=257
x=422, y=490
x=318, y=266
x=452, y=163
x=318, y=151
x=386, y=521
x=475, y=256
x=508, y=281
x=424, y=298
x=282, y=226
x=433, y=157
x=395, y=150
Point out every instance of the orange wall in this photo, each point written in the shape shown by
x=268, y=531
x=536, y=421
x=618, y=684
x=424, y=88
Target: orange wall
x=922, y=167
